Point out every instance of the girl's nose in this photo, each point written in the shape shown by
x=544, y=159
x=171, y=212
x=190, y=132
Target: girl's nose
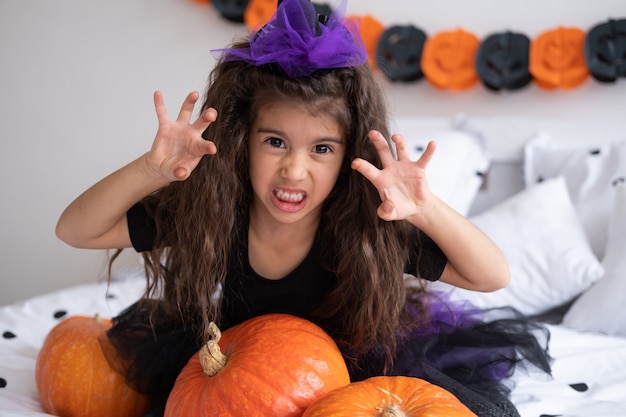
x=294, y=167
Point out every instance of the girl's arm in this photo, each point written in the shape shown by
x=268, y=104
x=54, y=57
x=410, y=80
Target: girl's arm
x=97, y=218
x=474, y=261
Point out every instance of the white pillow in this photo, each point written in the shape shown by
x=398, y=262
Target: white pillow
x=549, y=256
x=601, y=307
x=589, y=172
x=456, y=171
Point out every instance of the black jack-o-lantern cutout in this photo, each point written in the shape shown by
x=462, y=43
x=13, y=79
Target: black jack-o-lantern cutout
x=605, y=50
x=399, y=53
x=502, y=61
x=232, y=10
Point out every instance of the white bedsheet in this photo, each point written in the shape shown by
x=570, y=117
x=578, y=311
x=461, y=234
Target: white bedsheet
x=589, y=369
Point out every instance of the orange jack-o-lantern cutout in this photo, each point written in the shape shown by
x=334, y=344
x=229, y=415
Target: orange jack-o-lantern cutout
x=557, y=59
x=258, y=13
x=370, y=30
x=448, y=60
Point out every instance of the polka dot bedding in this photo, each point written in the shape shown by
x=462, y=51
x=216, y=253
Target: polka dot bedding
x=589, y=370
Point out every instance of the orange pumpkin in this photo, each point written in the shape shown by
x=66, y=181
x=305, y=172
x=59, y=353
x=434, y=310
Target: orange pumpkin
x=389, y=396
x=272, y=365
x=74, y=378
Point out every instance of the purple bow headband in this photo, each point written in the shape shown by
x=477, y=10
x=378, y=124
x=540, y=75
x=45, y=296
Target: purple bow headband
x=297, y=41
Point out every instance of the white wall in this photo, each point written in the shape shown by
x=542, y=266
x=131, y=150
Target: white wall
x=76, y=85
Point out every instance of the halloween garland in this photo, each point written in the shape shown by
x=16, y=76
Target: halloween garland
x=562, y=58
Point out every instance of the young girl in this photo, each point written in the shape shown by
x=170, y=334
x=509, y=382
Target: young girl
x=285, y=196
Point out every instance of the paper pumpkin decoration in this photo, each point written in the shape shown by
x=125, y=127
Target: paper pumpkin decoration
x=448, y=60
x=370, y=29
x=557, y=59
x=399, y=53
x=605, y=50
x=502, y=61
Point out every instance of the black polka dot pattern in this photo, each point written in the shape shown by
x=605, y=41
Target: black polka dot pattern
x=59, y=314
x=9, y=335
x=580, y=387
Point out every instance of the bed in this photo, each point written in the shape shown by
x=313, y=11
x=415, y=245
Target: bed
x=551, y=193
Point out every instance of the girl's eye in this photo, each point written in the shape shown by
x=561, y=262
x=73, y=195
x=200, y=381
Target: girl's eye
x=276, y=143
x=321, y=149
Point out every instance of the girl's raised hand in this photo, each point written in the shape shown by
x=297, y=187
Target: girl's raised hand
x=178, y=145
x=401, y=182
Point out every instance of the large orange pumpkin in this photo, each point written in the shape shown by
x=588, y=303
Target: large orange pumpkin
x=389, y=396
x=74, y=378
x=272, y=365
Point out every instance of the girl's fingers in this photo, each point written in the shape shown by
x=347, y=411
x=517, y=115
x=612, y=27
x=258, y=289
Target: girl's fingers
x=424, y=160
x=382, y=147
x=366, y=169
x=186, y=109
x=206, y=118
x=401, y=148
x=159, y=106
x=205, y=147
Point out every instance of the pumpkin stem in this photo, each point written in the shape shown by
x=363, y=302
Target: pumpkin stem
x=211, y=357
x=392, y=410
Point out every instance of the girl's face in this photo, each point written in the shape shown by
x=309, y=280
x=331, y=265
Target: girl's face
x=295, y=158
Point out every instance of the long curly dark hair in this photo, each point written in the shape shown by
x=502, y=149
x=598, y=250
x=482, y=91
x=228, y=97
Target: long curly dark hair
x=198, y=219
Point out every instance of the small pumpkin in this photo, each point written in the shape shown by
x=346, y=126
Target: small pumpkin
x=75, y=379
x=271, y=365
x=389, y=396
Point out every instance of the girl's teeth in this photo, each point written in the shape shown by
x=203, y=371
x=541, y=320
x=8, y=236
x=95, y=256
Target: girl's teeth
x=291, y=197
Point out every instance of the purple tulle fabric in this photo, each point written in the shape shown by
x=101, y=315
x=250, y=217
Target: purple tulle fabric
x=467, y=351
x=295, y=40
x=445, y=317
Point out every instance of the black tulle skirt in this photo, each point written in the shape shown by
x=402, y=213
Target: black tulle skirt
x=469, y=352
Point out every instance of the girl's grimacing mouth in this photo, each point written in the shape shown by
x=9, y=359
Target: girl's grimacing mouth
x=291, y=197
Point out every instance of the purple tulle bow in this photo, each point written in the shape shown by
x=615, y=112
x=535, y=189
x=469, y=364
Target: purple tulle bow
x=295, y=40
